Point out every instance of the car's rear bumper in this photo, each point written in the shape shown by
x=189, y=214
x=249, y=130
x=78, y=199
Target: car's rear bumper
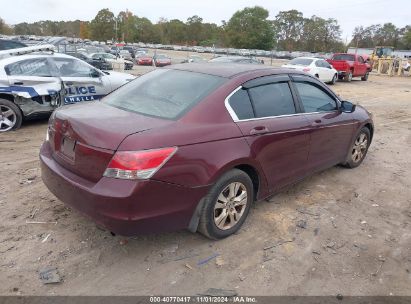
x=122, y=206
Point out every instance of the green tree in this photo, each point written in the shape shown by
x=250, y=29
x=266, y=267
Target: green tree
x=194, y=26
x=102, y=26
x=4, y=28
x=249, y=28
x=289, y=27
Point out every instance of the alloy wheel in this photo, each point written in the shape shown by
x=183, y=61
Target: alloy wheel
x=8, y=118
x=230, y=206
x=359, y=148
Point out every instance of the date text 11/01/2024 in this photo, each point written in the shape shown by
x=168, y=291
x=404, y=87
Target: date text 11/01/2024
x=203, y=299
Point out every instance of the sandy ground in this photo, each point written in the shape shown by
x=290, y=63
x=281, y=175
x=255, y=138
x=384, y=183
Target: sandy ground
x=357, y=240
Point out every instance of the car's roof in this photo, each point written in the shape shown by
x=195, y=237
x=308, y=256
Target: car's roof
x=12, y=59
x=311, y=58
x=229, y=70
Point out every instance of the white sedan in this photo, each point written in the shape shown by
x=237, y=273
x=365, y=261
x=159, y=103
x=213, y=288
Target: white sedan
x=34, y=85
x=315, y=66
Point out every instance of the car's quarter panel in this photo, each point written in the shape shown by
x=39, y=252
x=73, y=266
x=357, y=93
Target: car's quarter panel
x=126, y=207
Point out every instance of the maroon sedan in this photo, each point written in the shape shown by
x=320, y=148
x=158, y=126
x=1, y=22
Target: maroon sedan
x=194, y=146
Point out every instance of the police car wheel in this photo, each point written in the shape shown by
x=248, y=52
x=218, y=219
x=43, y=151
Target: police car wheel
x=10, y=116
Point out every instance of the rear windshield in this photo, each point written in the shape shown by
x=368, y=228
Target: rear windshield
x=346, y=57
x=164, y=93
x=300, y=61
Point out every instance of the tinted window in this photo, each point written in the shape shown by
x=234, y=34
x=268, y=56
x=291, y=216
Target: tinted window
x=360, y=59
x=164, y=93
x=240, y=103
x=301, y=61
x=8, y=45
x=30, y=67
x=314, y=99
x=272, y=100
x=73, y=68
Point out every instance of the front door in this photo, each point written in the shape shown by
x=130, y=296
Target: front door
x=331, y=129
x=277, y=134
x=32, y=79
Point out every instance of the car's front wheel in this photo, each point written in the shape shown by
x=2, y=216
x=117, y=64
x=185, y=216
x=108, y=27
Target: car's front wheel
x=359, y=148
x=10, y=116
x=334, y=80
x=227, y=205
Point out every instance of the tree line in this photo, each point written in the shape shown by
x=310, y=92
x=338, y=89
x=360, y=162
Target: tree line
x=248, y=28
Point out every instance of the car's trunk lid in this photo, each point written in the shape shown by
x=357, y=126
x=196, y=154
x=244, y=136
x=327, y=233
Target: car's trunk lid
x=84, y=137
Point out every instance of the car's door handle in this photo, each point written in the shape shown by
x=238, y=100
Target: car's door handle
x=19, y=83
x=259, y=130
x=316, y=122
x=69, y=83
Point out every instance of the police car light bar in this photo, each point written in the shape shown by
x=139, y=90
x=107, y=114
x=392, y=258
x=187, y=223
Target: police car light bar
x=27, y=50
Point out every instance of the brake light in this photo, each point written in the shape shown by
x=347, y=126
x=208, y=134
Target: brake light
x=306, y=69
x=138, y=164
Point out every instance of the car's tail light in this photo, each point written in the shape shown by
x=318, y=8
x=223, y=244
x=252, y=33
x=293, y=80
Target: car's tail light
x=306, y=69
x=138, y=164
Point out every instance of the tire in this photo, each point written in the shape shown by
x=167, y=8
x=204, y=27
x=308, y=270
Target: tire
x=365, y=77
x=211, y=214
x=348, y=77
x=10, y=116
x=353, y=160
x=334, y=80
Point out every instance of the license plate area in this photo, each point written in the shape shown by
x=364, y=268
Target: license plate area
x=68, y=148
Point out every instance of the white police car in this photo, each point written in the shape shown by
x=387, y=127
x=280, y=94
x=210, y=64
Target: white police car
x=34, y=84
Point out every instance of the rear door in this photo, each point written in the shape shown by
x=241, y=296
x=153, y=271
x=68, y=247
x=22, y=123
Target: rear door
x=33, y=78
x=82, y=82
x=268, y=117
x=331, y=130
x=327, y=70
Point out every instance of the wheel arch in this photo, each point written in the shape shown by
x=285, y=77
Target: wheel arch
x=371, y=128
x=8, y=97
x=252, y=170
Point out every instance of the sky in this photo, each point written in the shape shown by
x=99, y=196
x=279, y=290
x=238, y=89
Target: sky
x=349, y=13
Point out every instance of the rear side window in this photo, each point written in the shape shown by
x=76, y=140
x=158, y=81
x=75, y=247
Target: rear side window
x=346, y=57
x=241, y=104
x=315, y=99
x=29, y=67
x=164, y=93
x=272, y=100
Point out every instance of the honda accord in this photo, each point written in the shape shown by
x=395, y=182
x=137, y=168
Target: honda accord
x=193, y=146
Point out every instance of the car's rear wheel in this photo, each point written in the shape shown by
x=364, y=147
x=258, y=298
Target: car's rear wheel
x=10, y=116
x=348, y=77
x=359, y=148
x=227, y=205
x=365, y=77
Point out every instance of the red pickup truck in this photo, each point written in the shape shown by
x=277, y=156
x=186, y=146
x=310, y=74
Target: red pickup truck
x=349, y=66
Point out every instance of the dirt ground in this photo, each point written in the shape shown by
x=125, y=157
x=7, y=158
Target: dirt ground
x=357, y=239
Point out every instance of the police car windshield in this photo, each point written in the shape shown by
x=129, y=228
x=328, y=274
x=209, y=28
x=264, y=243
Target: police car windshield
x=164, y=93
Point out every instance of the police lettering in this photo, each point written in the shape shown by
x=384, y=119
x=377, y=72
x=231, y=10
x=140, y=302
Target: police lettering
x=80, y=90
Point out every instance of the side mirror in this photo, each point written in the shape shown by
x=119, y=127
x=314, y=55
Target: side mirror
x=347, y=107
